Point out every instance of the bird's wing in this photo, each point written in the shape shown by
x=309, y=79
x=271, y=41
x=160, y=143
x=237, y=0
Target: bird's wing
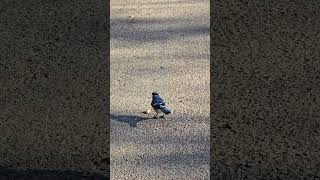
x=155, y=105
x=158, y=105
x=158, y=102
x=162, y=105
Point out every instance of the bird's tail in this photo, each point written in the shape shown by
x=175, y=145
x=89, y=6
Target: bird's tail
x=166, y=110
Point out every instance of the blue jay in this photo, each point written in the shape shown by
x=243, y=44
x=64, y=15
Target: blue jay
x=158, y=105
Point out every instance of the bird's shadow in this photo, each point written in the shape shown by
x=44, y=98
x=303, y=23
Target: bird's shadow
x=130, y=119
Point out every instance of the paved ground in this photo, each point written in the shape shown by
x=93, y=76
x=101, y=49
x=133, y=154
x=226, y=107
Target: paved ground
x=160, y=46
x=53, y=89
x=266, y=103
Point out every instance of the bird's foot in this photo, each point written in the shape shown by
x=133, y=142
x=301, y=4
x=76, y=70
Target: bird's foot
x=162, y=117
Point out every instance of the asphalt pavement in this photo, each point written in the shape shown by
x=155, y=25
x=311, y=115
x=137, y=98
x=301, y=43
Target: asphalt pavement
x=160, y=46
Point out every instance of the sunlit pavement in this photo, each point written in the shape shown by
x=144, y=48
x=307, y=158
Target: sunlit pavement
x=160, y=46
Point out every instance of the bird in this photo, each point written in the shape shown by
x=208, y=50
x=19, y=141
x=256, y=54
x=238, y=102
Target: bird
x=159, y=105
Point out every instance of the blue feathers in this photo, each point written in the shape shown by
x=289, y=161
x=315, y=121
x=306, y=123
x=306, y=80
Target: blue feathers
x=166, y=110
x=159, y=104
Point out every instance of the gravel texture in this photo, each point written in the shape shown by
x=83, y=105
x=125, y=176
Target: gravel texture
x=13, y=174
x=54, y=86
x=160, y=46
x=265, y=90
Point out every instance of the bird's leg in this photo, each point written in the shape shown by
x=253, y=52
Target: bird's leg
x=156, y=116
x=162, y=116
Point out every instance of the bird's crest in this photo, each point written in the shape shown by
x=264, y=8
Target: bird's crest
x=155, y=93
